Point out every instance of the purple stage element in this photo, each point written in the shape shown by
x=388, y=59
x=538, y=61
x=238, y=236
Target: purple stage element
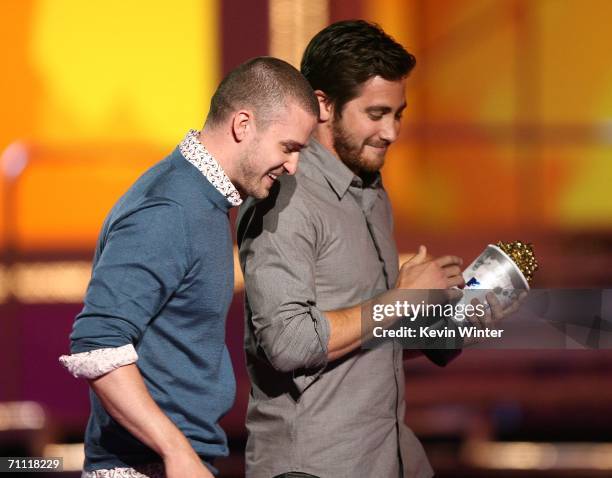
x=43, y=337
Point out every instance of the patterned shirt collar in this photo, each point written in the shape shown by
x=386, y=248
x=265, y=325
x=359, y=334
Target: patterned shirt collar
x=195, y=152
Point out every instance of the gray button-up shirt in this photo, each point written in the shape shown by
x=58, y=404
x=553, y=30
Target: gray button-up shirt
x=321, y=241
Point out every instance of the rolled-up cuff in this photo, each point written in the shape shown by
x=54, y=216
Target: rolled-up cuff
x=96, y=363
x=318, y=361
x=318, y=358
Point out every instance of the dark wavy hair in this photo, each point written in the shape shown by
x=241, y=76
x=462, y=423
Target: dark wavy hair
x=343, y=56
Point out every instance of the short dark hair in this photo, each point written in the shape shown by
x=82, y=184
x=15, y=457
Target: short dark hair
x=264, y=84
x=346, y=54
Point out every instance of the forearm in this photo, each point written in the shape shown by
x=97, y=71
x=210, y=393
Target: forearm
x=348, y=328
x=345, y=331
x=125, y=397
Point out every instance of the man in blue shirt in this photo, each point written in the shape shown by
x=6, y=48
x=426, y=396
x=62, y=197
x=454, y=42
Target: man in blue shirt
x=151, y=336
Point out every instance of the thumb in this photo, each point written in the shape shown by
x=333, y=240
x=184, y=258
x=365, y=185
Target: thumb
x=419, y=257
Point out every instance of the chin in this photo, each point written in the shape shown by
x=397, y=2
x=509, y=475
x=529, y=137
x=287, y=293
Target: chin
x=372, y=165
x=262, y=193
x=256, y=190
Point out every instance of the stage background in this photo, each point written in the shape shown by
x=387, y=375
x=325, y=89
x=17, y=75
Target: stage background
x=507, y=136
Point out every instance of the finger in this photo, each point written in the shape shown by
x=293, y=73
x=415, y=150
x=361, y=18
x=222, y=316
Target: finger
x=511, y=309
x=453, y=294
x=489, y=320
x=452, y=271
x=419, y=257
x=448, y=261
x=475, y=319
x=515, y=304
x=455, y=281
x=497, y=311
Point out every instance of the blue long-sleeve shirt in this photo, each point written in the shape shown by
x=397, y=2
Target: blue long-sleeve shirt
x=163, y=281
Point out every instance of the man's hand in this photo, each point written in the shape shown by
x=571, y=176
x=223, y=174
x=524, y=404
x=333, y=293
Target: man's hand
x=126, y=398
x=185, y=463
x=436, y=278
x=419, y=272
x=494, y=314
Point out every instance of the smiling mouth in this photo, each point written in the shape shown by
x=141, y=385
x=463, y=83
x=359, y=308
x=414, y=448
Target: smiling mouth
x=273, y=177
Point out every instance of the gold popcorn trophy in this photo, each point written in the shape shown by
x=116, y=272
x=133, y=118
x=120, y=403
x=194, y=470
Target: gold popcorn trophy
x=505, y=268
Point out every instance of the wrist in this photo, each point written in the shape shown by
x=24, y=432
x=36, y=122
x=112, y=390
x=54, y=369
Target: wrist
x=175, y=444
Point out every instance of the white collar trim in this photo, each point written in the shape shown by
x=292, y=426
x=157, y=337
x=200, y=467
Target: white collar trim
x=196, y=154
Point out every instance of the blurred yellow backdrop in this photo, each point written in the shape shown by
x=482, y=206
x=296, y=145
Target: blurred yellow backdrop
x=96, y=91
x=510, y=113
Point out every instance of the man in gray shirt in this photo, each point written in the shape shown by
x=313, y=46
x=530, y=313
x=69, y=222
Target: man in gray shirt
x=316, y=249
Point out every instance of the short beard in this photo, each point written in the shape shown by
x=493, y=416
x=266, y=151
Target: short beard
x=349, y=152
x=249, y=183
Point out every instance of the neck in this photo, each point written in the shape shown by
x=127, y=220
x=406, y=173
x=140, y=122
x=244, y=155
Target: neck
x=323, y=134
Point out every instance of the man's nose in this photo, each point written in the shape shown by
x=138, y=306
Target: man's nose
x=390, y=131
x=292, y=164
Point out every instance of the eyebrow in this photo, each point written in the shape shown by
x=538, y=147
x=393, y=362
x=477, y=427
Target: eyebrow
x=293, y=145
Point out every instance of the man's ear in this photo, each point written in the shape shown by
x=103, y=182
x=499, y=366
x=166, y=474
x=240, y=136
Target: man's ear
x=326, y=109
x=242, y=124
